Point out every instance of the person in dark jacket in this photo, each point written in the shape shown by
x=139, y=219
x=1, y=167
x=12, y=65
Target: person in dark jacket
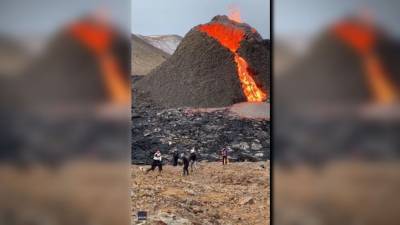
x=185, y=165
x=175, y=158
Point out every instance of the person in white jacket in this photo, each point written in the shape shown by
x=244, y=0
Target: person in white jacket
x=157, y=162
x=192, y=159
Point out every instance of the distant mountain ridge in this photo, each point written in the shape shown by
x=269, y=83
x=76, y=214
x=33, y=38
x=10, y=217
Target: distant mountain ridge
x=145, y=56
x=167, y=43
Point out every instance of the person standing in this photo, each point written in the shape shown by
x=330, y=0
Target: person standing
x=185, y=165
x=192, y=159
x=224, y=155
x=175, y=158
x=157, y=162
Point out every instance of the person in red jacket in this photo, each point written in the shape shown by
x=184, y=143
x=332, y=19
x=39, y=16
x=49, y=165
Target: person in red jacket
x=224, y=156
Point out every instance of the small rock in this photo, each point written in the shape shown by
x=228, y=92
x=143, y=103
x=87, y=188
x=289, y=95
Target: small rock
x=259, y=154
x=246, y=200
x=256, y=146
x=190, y=192
x=242, y=145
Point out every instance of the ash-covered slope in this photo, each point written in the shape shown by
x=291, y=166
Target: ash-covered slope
x=203, y=73
x=167, y=43
x=330, y=73
x=145, y=56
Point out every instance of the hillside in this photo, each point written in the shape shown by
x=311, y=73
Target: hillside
x=145, y=57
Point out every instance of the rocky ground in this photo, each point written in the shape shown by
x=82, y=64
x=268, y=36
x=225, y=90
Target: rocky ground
x=155, y=127
x=79, y=192
x=234, y=194
x=320, y=137
x=53, y=138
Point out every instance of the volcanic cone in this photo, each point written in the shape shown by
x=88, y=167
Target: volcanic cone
x=350, y=63
x=216, y=64
x=86, y=62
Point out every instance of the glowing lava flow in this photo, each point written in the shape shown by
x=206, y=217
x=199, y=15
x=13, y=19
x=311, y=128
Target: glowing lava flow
x=98, y=38
x=362, y=39
x=230, y=37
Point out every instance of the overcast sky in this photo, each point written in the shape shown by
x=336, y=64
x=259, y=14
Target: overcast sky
x=309, y=16
x=41, y=17
x=292, y=17
x=179, y=16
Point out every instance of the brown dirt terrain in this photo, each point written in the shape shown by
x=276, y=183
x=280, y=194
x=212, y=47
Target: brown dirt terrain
x=346, y=192
x=234, y=194
x=77, y=193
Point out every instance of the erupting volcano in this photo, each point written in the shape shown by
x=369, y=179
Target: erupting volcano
x=217, y=64
x=350, y=63
x=97, y=37
x=86, y=62
x=362, y=38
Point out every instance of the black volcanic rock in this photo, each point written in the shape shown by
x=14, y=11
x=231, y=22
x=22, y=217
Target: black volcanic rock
x=180, y=129
x=203, y=73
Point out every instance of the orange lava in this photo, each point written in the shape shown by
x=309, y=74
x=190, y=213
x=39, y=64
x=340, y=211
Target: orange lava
x=384, y=90
x=230, y=37
x=97, y=37
x=362, y=38
x=250, y=89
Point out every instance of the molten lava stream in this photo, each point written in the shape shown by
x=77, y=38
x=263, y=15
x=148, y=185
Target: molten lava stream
x=97, y=37
x=362, y=39
x=230, y=38
x=249, y=86
x=383, y=90
x=113, y=78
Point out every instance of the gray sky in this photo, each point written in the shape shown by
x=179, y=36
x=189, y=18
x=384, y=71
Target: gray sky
x=292, y=17
x=179, y=16
x=41, y=17
x=309, y=16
